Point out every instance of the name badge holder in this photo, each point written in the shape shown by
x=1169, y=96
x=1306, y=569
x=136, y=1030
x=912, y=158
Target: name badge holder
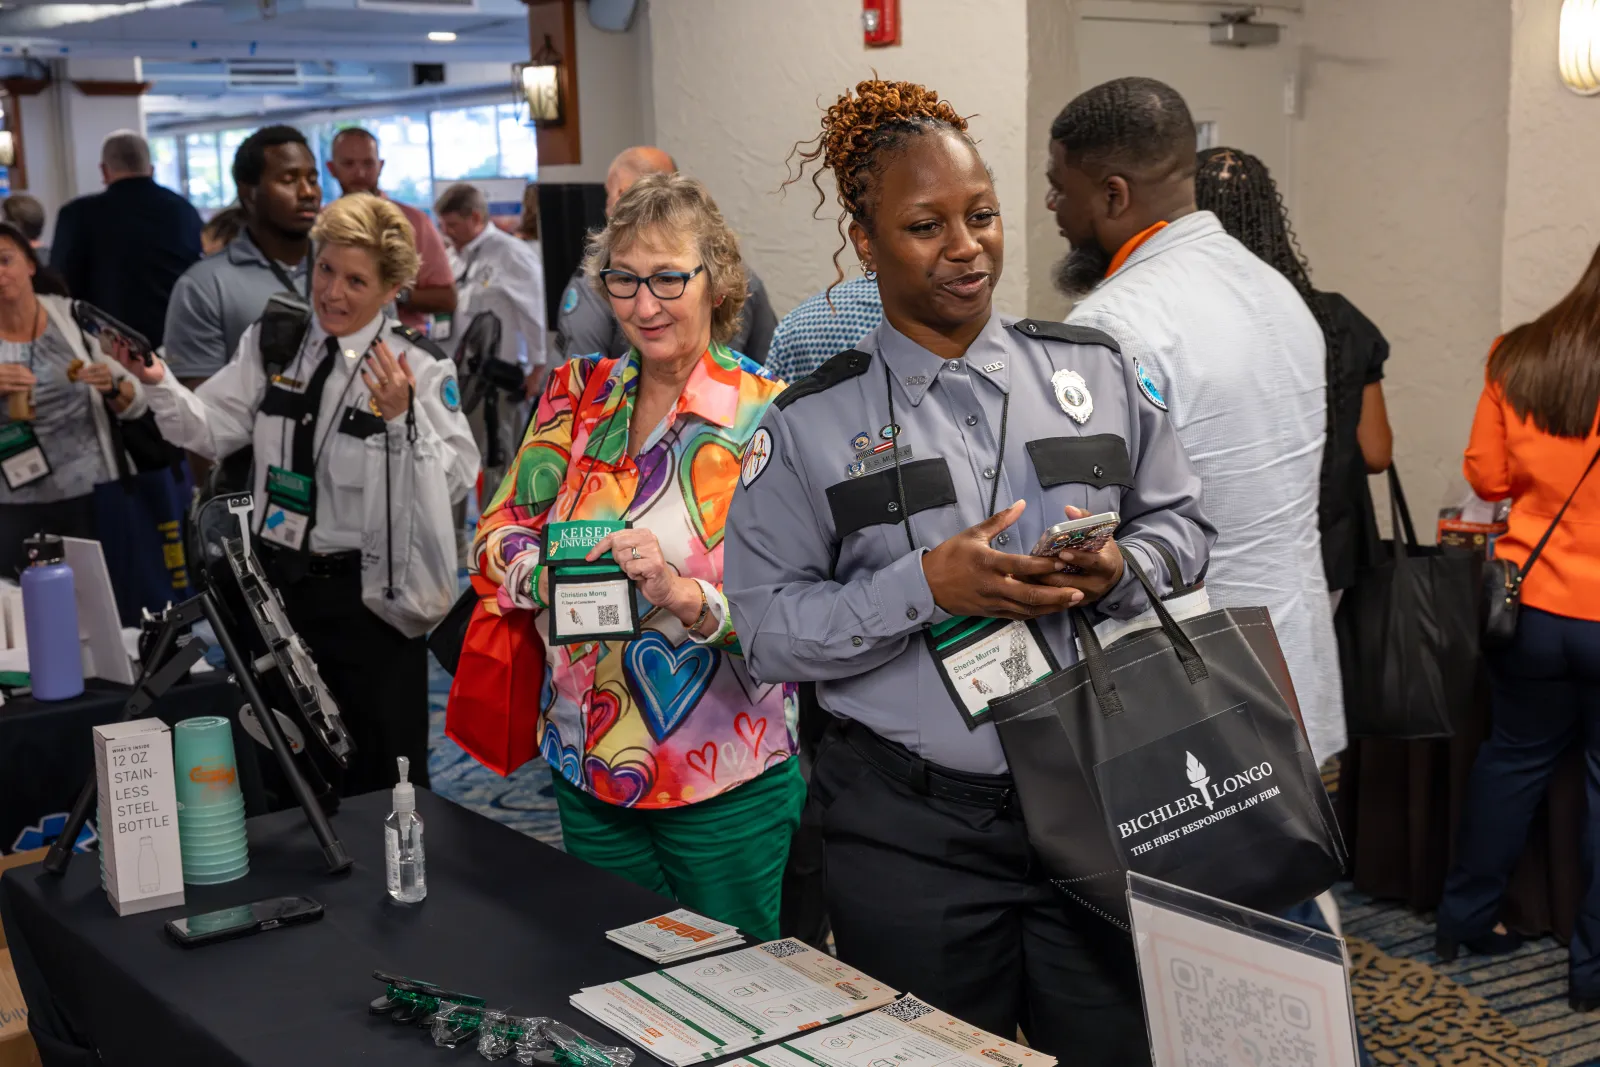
x=22, y=458
x=589, y=600
x=980, y=660
x=291, y=506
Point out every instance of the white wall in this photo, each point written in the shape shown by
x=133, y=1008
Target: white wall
x=737, y=83
x=611, y=108
x=1552, y=219
x=45, y=154
x=89, y=119
x=1400, y=198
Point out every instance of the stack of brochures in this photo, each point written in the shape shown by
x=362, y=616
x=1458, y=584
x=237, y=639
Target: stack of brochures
x=720, y=1005
x=675, y=936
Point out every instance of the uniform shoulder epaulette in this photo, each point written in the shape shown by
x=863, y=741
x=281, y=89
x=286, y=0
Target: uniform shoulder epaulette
x=840, y=368
x=1066, y=331
x=421, y=340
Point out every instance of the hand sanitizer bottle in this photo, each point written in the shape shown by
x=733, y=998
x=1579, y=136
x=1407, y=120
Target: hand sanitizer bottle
x=402, y=839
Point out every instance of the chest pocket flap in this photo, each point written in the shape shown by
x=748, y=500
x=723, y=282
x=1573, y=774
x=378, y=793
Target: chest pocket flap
x=284, y=403
x=358, y=423
x=1098, y=460
x=874, y=498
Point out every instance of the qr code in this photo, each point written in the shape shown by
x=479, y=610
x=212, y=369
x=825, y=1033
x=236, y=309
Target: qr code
x=906, y=1009
x=784, y=948
x=1233, y=1019
x=610, y=615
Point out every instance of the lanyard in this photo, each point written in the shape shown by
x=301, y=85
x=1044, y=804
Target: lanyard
x=610, y=420
x=467, y=268
x=894, y=450
x=355, y=372
x=283, y=275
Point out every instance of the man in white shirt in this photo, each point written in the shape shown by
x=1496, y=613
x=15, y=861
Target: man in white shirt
x=500, y=274
x=1222, y=341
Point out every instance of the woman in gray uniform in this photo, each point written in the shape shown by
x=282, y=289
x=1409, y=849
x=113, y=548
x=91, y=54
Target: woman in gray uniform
x=900, y=487
x=309, y=408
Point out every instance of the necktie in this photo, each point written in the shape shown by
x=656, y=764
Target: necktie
x=302, y=453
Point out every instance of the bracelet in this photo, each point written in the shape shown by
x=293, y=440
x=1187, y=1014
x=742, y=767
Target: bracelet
x=705, y=609
x=533, y=586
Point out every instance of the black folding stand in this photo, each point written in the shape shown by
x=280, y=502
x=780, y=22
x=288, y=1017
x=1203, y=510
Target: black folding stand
x=153, y=683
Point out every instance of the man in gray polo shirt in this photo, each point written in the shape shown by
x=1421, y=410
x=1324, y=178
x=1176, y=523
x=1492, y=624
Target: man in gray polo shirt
x=219, y=296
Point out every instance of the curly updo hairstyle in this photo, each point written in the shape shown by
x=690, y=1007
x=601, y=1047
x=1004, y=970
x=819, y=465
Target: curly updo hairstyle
x=672, y=207
x=373, y=224
x=861, y=132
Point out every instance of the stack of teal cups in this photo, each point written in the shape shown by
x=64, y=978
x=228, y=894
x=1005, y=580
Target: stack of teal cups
x=210, y=806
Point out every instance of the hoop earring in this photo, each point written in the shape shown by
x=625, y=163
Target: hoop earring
x=871, y=275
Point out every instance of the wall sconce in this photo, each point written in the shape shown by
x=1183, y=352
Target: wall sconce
x=1578, y=52
x=538, y=85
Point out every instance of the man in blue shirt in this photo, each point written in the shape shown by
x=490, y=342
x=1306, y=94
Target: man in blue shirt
x=824, y=325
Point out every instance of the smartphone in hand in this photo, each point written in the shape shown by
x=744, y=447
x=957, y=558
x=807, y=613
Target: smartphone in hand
x=1088, y=534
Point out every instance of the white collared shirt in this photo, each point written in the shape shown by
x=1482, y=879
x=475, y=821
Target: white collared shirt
x=1239, y=360
x=225, y=414
x=503, y=274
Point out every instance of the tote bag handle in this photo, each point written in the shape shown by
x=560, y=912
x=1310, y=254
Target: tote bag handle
x=1105, y=690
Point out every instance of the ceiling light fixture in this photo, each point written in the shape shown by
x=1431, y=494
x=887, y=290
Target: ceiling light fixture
x=1578, y=51
x=442, y=36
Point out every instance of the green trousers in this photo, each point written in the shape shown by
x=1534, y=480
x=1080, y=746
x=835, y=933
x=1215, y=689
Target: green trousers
x=722, y=857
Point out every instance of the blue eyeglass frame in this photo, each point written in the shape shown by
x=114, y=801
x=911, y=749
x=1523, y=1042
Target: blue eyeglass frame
x=685, y=276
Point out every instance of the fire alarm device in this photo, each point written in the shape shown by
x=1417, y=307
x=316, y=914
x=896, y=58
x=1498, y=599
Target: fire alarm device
x=880, y=22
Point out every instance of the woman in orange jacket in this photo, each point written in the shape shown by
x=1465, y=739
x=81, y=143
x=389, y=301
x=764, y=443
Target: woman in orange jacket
x=1534, y=439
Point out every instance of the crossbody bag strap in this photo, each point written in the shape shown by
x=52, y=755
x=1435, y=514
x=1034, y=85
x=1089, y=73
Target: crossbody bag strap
x=119, y=447
x=1538, y=548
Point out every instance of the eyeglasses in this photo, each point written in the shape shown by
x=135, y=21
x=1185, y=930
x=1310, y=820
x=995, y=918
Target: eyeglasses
x=665, y=284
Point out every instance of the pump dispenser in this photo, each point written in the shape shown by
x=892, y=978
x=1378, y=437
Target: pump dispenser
x=404, y=864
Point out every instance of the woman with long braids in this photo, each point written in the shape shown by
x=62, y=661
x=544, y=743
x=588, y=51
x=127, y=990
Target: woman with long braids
x=1237, y=188
x=885, y=510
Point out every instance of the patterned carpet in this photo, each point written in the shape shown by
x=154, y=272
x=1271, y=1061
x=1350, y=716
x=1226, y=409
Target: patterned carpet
x=1510, y=1011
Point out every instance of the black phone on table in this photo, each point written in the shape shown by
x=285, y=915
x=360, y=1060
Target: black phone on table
x=192, y=931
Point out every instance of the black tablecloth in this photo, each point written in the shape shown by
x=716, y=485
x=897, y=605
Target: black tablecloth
x=47, y=750
x=507, y=918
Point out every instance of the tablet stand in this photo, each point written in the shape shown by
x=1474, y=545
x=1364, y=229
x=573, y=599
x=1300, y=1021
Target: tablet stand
x=159, y=676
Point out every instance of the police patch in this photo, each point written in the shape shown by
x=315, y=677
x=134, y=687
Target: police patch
x=756, y=456
x=450, y=394
x=569, y=300
x=1148, y=386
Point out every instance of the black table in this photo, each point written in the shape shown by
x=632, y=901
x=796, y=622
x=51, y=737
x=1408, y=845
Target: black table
x=47, y=750
x=507, y=918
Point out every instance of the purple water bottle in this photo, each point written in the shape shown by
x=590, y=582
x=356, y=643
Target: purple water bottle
x=50, y=616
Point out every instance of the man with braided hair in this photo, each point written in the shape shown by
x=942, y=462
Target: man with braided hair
x=876, y=551
x=1223, y=340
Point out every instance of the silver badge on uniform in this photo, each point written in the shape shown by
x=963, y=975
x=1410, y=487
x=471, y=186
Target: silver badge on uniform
x=1072, y=393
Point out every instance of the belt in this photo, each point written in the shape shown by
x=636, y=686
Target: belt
x=316, y=564
x=993, y=791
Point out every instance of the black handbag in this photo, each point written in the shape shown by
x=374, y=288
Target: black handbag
x=1176, y=753
x=1502, y=580
x=1408, y=636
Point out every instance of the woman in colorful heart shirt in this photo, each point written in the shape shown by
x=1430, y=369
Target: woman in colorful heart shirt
x=672, y=766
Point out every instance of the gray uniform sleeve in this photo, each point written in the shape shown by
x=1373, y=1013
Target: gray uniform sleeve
x=760, y=322
x=585, y=327
x=795, y=622
x=194, y=342
x=1162, y=521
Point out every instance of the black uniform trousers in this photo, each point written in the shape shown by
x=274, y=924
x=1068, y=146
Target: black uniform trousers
x=946, y=900
x=377, y=675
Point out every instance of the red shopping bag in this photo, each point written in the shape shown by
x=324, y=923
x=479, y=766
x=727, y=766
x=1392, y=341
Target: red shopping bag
x=493, y=713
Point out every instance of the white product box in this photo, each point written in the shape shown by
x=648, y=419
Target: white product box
x=138, y=815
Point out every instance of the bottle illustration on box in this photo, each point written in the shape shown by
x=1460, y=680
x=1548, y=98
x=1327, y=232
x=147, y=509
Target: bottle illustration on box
x=149, y=869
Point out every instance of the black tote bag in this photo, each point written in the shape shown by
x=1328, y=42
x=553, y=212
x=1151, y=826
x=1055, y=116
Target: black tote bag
x=1408, y=636
x=1177, y=753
